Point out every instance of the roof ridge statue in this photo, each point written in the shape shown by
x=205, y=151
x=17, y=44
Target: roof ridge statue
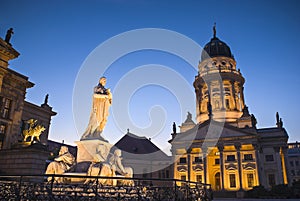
x=8, y=35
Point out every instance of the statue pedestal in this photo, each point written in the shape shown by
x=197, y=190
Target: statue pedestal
x=87, y=149
x=24, y=161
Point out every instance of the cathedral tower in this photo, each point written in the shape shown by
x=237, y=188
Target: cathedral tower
x=218, y=85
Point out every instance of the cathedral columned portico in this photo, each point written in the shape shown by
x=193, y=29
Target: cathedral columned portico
x=224, y=147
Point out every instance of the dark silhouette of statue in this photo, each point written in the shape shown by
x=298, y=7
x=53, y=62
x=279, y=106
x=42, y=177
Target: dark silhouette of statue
x=46, y=99
x=214, y=30
x=8, y=35
x=174, y=128
x=253, y=120
x=280, y=125
x=277, y=119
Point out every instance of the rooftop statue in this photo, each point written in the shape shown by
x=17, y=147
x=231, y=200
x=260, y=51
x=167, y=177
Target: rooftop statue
x=102, y=99
x=8, y=35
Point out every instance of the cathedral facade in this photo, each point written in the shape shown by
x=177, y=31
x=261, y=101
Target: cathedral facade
x=224, y=147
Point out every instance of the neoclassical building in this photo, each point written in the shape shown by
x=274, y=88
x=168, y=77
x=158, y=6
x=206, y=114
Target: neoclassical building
x=14, y=109
x=15, y=113
x=224, y=147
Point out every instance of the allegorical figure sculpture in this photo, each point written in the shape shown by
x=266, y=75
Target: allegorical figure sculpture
x=61, y=164
x=117, y=168
x=99, y=167
x=102, y=99
x=111, y=168
x=115, y=162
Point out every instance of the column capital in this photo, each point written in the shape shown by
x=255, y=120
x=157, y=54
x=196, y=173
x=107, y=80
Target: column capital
x=237, y=146
x=256, y=146
x=277, y=149
x=284, y=149
x=204, y=149
x=220, y=147
x=188, y=150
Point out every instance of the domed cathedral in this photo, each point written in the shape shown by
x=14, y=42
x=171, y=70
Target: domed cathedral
x=224, y=147
x=218, y=83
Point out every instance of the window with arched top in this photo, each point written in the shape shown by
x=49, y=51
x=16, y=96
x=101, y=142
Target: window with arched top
x=218, y=181
x=217, y=104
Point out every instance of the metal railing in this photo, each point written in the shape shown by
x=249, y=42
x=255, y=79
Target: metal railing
x=47, y=187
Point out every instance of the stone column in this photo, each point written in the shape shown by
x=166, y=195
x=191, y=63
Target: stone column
x=198, y=110
x=222, y=94
x=242, y=96
x=287, y=167
x=258, y=163
x=188, y=151
x=238, y=147
x=263, y=179
x=221, y=148
x=279, y=166
x=200, y=98
x=233, y=94
x=204, y=152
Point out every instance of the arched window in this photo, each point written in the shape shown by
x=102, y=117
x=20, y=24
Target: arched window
x=218, y=181
x=217, y=104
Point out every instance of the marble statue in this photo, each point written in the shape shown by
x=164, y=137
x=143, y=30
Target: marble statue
x=101, y=154
x=98, y=166
x=115, y=162
x=33, y=132
x=117, y=168
x=102, y=99
x=112, y=168
x=61, y=164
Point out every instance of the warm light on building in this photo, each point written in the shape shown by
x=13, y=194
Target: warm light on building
x=241, y=156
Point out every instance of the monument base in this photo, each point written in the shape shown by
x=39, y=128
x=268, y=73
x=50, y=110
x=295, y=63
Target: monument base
x=87, y=149
x=23, y=160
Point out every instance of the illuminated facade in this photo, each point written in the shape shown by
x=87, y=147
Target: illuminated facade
x=294, y=161
x=14, y=109
x=225, y=148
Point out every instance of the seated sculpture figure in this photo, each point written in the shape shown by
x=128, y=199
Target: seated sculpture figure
x=99, y=167
x=112, y=168
x=117, y=168
x=61, y=164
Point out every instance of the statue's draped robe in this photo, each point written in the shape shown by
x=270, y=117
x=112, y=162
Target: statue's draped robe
x=61, y=164
x=98, y=116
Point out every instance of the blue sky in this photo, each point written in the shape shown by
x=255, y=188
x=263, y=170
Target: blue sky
x=55, y=38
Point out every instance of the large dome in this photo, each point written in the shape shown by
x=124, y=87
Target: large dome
x=215, y=48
